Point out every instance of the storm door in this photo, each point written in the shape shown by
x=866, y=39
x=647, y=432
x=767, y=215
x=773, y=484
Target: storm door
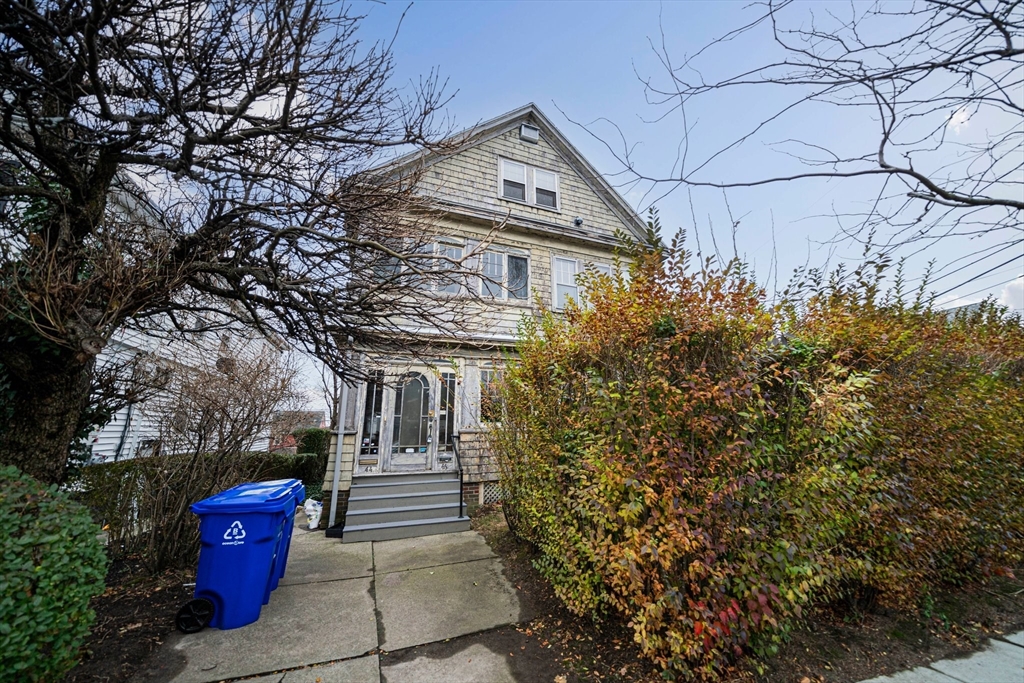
x=446, y=421
x=369, y=447
x=412, y=424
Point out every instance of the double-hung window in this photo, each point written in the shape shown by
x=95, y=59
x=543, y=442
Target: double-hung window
x=504, y=275
x=513, y=180
x=566, y=272
x=566, y=286
x=448, y=280
x=522, y=183
x=545, y=188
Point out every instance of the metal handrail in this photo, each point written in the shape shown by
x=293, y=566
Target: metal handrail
x=458, y=464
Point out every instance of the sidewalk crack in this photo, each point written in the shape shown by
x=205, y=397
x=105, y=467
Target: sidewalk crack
x=376, y=608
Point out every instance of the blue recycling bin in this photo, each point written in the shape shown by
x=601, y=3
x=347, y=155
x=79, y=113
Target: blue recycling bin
x=243, y=548
x=281, y=561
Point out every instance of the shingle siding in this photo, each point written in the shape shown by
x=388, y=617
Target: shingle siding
x=465, y=187
x=471, y=178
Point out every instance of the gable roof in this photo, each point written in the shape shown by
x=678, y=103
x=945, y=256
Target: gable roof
x=531, y=114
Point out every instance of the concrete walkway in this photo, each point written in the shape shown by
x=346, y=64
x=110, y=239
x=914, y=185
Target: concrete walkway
x=1001, y=662
x=340, y=608
x=342, y=611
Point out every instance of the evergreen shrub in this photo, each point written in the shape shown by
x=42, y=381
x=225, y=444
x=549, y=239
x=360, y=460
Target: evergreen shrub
x=51, y=565
x=137, y=499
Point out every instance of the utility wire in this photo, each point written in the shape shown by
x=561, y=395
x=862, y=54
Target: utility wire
x=986, y=256
x=979, y=276
x=1000, y=284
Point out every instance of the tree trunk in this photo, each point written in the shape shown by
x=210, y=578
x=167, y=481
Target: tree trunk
x=47, y=393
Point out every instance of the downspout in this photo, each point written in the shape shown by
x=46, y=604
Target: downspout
x=342, y=411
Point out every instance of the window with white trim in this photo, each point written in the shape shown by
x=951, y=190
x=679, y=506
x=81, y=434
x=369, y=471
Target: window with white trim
x=522, y=183
x=513, y=180
x=444, y=256
x=545, y=188
x=504, y=275
x=448, y=284
x=566, y=287
x=490, y=394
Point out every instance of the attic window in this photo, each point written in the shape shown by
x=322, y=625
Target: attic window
x=546, y=188
x=513, y=178
x=522, y=183
x=529, y=133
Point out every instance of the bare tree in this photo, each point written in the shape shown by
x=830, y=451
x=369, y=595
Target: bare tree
x=915, y=71
x=224, y=407
x=210, y=414
x=174, y=166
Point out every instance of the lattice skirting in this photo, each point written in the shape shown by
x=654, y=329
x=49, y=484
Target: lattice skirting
x=491, y=492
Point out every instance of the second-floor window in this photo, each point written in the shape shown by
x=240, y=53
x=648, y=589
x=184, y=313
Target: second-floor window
x=566, y=274
x=448, y=253
x=504, y=275
x=523, y=183
x=566, y=287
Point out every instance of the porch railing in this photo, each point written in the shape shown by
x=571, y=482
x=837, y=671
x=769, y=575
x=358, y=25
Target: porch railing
x=458, y=466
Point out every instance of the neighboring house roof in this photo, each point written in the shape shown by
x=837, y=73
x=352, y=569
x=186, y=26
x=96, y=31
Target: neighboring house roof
x=532, y=115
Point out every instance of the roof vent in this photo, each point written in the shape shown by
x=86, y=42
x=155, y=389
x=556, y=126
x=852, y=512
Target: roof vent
x=529, y=133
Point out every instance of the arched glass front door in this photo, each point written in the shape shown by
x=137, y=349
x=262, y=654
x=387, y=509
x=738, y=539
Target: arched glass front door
x=412, y=424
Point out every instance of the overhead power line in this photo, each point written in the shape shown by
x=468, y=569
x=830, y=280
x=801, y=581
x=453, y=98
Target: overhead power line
x=1004, y=282
x=981, y=275
x=979, y=260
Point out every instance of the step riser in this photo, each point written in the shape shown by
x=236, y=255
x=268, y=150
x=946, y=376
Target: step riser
x=358, y=504
x=388, y=534
x=399, y=515
x=383, y=507
x=364, y=490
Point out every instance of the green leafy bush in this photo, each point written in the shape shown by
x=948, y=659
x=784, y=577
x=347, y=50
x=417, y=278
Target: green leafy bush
x=706, y=466
x=51, y=565
x=314, y=440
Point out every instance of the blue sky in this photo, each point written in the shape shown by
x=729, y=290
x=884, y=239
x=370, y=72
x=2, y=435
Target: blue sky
x=584, y=58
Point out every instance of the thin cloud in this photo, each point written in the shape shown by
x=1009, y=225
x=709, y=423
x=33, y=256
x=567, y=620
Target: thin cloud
x=1012, y=295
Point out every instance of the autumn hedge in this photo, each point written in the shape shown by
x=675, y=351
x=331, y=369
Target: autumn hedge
x=706, y=466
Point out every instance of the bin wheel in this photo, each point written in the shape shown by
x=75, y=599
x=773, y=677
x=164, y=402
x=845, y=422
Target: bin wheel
x=194, y=616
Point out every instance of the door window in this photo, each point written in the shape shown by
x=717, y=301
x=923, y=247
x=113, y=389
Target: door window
x=369, y=449
x=412, y=415
x=446, y=419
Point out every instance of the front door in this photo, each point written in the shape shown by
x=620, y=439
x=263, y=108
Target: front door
x=408, y=424
x=412, y=424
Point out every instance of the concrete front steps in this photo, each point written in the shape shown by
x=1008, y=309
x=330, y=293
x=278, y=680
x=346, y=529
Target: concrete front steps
x=382, y=507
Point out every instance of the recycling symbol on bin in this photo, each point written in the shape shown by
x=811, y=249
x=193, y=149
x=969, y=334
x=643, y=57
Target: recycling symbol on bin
x=234, y=534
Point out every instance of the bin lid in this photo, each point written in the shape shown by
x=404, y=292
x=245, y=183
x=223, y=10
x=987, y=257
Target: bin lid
x=259, y=496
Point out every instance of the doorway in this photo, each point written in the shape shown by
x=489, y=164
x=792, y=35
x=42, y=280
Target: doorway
x=408, y=424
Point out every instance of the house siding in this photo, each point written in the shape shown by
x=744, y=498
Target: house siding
x=470, y=178
x=466, y=190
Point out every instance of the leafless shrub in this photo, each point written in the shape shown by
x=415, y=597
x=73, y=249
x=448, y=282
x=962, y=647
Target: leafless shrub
x=211, y=419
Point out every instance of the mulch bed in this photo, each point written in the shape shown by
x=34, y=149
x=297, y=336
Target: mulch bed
x=133, y=616
x=585, y=650
x=835, y=644
x=839, y=645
